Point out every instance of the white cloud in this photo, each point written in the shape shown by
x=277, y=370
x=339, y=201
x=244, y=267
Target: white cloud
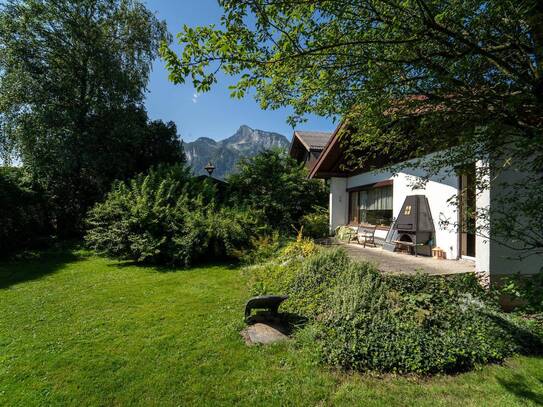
x=195, y=97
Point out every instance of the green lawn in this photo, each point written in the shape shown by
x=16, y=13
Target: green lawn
x=78, y=330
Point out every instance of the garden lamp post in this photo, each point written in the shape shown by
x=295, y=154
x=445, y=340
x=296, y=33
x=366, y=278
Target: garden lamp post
x=209, y=168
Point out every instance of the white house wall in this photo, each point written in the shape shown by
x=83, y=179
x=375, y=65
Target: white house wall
x=492, y=257
x=339, y=202
x=482, y=244
x=502, y=258
x=438, y=190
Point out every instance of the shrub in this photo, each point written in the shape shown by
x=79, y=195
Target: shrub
x=273, y=277
x=25, y=219
x=310, y=287
x=277, y=186
x=526, y=291
x=344, y=233
x=373, y=324
x=315, y=224
x=262, y=248
x=167, y=217
x=301, y=248
x=367, y=321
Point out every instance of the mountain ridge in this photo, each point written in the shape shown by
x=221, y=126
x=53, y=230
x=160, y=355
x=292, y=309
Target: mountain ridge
x=224, y=154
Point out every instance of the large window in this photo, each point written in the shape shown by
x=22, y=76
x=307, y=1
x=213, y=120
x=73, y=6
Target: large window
x=371, y=205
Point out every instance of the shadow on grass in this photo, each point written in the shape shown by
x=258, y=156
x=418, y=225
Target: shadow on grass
x=294, y=322
x=528, y=342
x=36, y=265
x=285, y=322
x=518, y=386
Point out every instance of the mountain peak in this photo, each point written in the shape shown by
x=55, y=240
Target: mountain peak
x=206, y=140
x=245, y=142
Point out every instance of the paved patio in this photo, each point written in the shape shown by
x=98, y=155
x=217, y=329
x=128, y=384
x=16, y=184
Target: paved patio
x=405, y=263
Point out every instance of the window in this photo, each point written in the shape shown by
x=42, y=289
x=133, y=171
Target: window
x=371, y=205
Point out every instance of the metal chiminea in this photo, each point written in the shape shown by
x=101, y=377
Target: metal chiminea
x=414, y=226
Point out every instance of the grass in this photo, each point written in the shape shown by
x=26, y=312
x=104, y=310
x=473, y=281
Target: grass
x=82, y=330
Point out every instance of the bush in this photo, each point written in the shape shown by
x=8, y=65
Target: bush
x=374, y=324
x=367, y=321
x=315, y=225
x=167, y=217
x=312, y=283
x=526, y=291
x=299, y=249
x=25, y=219
x=273, y=276
x=262, y=248
x=344, y=233
x=277, y=186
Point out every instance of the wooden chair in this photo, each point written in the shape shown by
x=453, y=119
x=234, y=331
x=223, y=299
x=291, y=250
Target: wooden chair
x=365, y=234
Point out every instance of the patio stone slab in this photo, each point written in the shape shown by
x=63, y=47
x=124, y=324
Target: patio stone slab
x=407, y=264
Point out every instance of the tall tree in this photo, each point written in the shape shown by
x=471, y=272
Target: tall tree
x=72, y=79
x=160, y=144
x=468, y=72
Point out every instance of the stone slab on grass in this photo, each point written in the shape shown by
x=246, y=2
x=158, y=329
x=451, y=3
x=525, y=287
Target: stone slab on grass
x=263, y=333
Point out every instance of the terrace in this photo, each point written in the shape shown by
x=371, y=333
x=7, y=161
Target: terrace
x=407, y=264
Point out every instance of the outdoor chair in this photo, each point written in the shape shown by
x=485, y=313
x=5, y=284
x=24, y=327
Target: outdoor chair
x=365, y=234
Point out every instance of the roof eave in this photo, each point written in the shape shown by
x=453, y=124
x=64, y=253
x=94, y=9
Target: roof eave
x=326, y=150
x=301, y=140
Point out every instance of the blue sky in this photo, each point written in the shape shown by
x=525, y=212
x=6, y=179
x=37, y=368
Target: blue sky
x=213, y=114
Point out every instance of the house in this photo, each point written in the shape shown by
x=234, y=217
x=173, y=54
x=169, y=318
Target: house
x=306, y=146
x=377, y=196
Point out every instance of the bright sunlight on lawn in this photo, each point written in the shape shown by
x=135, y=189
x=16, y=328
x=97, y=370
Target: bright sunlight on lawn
x=82, y=330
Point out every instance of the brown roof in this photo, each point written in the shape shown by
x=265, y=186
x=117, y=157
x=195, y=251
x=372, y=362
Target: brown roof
x=313, y=140
x=330, y=154
x=331, y=163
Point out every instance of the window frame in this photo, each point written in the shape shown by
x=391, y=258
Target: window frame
x=370, y=187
